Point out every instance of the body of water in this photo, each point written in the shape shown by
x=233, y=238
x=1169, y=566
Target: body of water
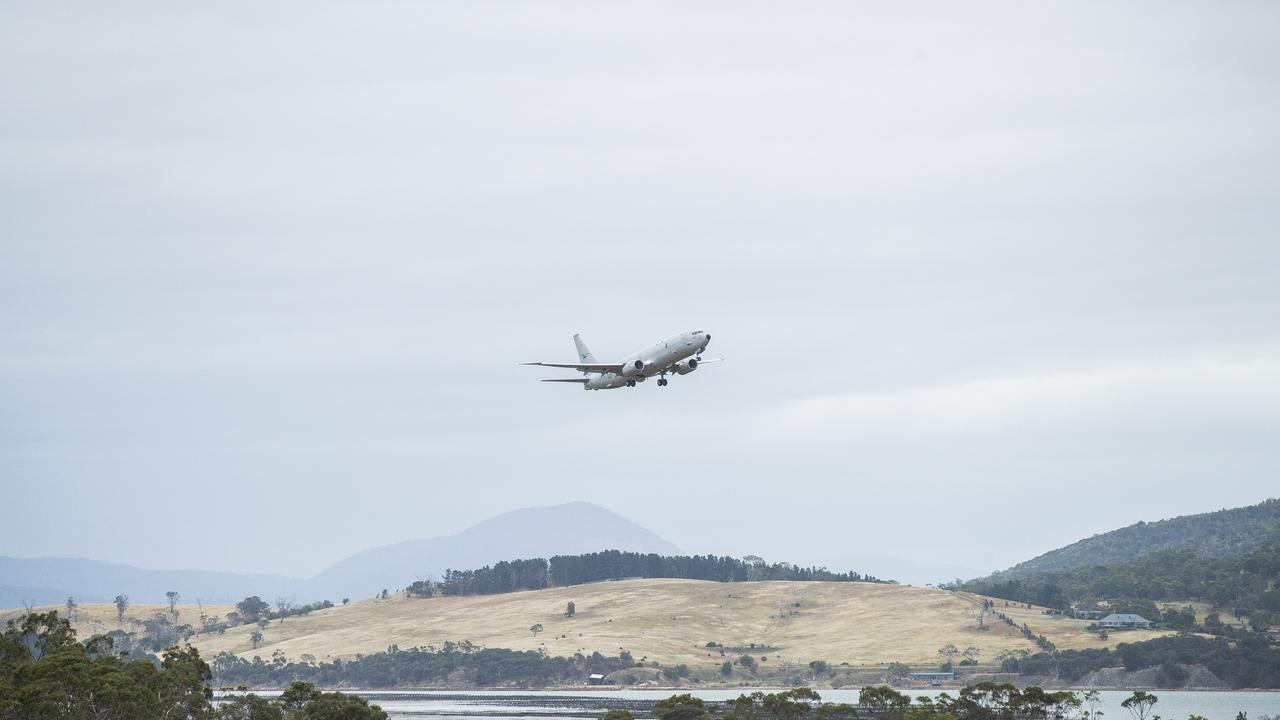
x=556, y=705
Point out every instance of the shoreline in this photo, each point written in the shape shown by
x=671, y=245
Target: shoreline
x=508, y=693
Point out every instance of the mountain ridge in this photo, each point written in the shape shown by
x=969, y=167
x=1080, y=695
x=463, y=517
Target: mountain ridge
x=1219, y=533
x=574, y=525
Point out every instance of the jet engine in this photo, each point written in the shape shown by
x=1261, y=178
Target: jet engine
x=633, y=368
x=684, y=367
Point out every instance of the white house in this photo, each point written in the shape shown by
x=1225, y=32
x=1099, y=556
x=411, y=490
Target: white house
x=1124, y=621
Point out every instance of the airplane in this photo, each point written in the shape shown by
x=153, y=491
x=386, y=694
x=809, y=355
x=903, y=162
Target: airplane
x=678, y=355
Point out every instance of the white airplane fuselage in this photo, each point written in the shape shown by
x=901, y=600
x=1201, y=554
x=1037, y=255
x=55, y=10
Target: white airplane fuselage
x=670, y=356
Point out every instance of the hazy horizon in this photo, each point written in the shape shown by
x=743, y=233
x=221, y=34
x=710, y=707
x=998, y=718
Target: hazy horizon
x=987, y=279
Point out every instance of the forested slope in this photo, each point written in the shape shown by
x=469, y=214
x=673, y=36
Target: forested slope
x=1223, y=533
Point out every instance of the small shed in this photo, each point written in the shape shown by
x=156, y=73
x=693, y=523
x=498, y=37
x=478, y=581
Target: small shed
x=595, y=679
x=1124, y=621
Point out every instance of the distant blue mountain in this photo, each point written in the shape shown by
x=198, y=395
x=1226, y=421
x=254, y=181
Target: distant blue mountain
x=577, y=527
x=42, y=581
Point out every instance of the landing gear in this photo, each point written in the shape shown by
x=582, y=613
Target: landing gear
x=662, y=382
x=631, y=383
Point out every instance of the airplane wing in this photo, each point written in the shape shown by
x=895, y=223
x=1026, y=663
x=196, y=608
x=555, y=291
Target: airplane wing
x=583, y=367
x=580, y=381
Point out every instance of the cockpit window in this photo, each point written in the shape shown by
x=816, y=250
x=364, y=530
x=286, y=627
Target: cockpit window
x=697, y=332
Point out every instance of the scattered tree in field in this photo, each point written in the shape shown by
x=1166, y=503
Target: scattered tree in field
x=255, y=637
x=346, y=600
x=820, y=668
x=384, y=594
x=673, y=673
x=71, y=608
x=570, y=610
x=898, y=672
x=948, y=653
x=747, y=662
x=252, y=608
x=263, y=623
x=535, y=629
x=122, y=604
x=173, y=602
x=971, y=654
x=726, y=669
x=1139, y=704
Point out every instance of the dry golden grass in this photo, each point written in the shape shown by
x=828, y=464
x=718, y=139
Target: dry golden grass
x=670, y=621
x=98, y=618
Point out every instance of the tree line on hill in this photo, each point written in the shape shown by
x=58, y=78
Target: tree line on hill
x=1246, y=585
x=566, y=570
x=454, y=663
x=139, y=637
x=1224, y=533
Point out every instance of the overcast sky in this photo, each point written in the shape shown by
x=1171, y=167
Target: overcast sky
x=988, y=278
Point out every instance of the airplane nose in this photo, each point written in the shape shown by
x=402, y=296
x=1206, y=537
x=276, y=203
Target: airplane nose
x=708, y=341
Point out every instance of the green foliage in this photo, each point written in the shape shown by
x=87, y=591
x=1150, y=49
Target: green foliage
x=250, y=707
x=1139, y=704
x=46, y=673
x=1243, y=582
x=1247, y=662
x=747, y=662
x=617, y=714
x=298, y=694
x=898, y=671
x=252, y=609
x=835, y=711
x=570, y=609
x=676, y=672
x=726, y=669
x=337, y=706
x=680, y=707
x=566, y=570
x=882, y=699
x=788, y=705
x=454, y=662
x=1260, y=620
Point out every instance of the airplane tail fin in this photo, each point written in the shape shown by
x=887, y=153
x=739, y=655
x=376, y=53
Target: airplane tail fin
x=584, y=355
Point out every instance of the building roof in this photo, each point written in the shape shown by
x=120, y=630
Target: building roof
x=1125, y=618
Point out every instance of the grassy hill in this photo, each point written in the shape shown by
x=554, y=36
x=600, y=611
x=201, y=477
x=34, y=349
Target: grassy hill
x=100, y=618
x=1215, y=534
x=668, y=621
